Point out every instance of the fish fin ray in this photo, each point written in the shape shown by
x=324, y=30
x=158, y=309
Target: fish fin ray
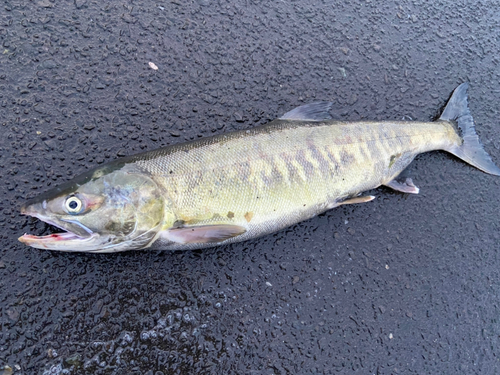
x=471, y=150
x=205, y=233
x=317, y=111
x=363, y=199
x=406, y=186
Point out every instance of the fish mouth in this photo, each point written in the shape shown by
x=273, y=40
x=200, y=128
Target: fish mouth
x=74, y=233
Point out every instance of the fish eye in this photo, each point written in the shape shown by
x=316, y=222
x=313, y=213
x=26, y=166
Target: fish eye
x=73, y=205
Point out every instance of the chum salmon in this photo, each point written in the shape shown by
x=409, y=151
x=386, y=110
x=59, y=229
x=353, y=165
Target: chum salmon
x=244, y=184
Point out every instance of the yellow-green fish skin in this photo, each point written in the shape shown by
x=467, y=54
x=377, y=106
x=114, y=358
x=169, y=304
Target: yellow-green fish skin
x=273, y=176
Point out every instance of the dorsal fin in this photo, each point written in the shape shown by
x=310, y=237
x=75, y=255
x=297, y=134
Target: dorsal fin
x=310, y=112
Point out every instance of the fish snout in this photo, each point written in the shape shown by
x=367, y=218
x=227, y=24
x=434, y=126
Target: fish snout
x=33, y=209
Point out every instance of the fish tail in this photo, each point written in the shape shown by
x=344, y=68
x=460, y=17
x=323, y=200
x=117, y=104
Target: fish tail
x=471, y=150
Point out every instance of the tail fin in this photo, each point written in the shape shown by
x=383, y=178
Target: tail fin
x=471, y=150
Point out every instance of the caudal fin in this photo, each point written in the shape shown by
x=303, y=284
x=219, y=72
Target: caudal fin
x=471, y=150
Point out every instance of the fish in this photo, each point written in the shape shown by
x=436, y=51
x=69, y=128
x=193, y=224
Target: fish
x=245, y=184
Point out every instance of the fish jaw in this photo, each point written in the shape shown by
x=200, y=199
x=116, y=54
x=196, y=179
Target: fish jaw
x=76, y=238
x=56, y=241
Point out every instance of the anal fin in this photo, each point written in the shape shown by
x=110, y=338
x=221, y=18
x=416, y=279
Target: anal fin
x=204, y=233
x=406, y=186
x=364, y=199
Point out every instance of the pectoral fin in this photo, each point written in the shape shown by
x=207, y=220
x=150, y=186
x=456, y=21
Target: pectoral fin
x=405, y=187
x=204, y=233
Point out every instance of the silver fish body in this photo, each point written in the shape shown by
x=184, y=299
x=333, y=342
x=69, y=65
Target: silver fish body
x=241, y=185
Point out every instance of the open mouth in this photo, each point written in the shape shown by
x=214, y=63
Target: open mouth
x=32, y=240
x=52, y=240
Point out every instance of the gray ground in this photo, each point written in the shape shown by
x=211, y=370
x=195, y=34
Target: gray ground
x=404, y=284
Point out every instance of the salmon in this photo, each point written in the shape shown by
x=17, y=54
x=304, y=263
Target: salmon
x=241, y=185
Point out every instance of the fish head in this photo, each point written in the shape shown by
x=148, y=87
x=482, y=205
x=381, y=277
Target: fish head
x=109, y=209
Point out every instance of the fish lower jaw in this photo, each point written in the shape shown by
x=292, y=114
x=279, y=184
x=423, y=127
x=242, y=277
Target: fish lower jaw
x=48, y=242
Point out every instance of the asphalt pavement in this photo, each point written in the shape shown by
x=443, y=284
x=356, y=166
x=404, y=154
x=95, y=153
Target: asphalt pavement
x=401, y=285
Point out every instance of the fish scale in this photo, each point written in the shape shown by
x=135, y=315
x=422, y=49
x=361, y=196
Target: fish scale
x=275, y=196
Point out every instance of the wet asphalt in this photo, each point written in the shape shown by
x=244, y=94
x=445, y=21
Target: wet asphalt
x=401, y=285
